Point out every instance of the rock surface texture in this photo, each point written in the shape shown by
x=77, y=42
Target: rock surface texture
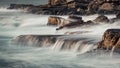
x=110, y=40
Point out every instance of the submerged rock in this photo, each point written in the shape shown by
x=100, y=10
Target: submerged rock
x=102, y=19
x=110, y=39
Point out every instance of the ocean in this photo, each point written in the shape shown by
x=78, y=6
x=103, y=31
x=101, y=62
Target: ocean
x=16, y=22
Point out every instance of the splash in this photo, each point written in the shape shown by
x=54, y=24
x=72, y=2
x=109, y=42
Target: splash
x=36, y=21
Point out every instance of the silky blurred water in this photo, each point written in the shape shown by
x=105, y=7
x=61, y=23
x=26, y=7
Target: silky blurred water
x=16, y=22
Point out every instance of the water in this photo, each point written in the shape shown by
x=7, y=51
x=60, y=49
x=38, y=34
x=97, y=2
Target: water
x=16, y=22
x=5, y=3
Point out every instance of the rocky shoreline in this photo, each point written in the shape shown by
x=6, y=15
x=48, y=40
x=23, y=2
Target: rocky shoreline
x=110, y=39
x=71, y=7
x=77, y=21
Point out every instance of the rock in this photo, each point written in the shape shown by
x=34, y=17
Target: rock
x=56, y=2
x=75, y=17
x=115, y=19
x=19, y=6
x=53, y=20
x=118, y=15
x=71, y=7
x=101, y=18
x=89, y=22
x=107, y=7
x=110, y=39
x=93, y=7
x=75, y=21
x=36, y=40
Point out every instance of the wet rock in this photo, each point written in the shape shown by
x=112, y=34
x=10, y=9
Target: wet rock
x=115, y=19
x=35, y=40
x=53, y=20
x=56, y=2
x=93, y=6
x=89, y=22
x=118, y=15
x=110, y=39
x=101, y=18
x=74, y=21
x=19, y=6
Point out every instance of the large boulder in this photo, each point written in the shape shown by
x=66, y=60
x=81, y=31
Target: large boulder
x=110, y=39
x=75, y=21
x=102, y=19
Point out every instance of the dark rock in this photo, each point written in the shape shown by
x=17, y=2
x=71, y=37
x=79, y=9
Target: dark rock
x=101, y=18
x=118, y=15
x=93, y=7
x=75, y=21
x=115, y=19
x=89, y=22
x=110, y=39
x=72, y=7
x=56, y=2
x=19, y=6
x=75, y=17
x=72, y=21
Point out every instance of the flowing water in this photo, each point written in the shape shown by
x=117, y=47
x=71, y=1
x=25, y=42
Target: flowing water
x=61, y=55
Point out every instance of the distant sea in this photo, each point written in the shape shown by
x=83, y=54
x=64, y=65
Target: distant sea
x=4, y=3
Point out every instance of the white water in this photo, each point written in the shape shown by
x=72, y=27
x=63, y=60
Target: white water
x=14, y=23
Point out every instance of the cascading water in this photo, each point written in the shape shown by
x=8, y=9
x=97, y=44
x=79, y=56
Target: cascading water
x=112, y=51
x=69, y=47
x=75, y=45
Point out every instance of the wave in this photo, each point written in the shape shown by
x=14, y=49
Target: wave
x=4, y=9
